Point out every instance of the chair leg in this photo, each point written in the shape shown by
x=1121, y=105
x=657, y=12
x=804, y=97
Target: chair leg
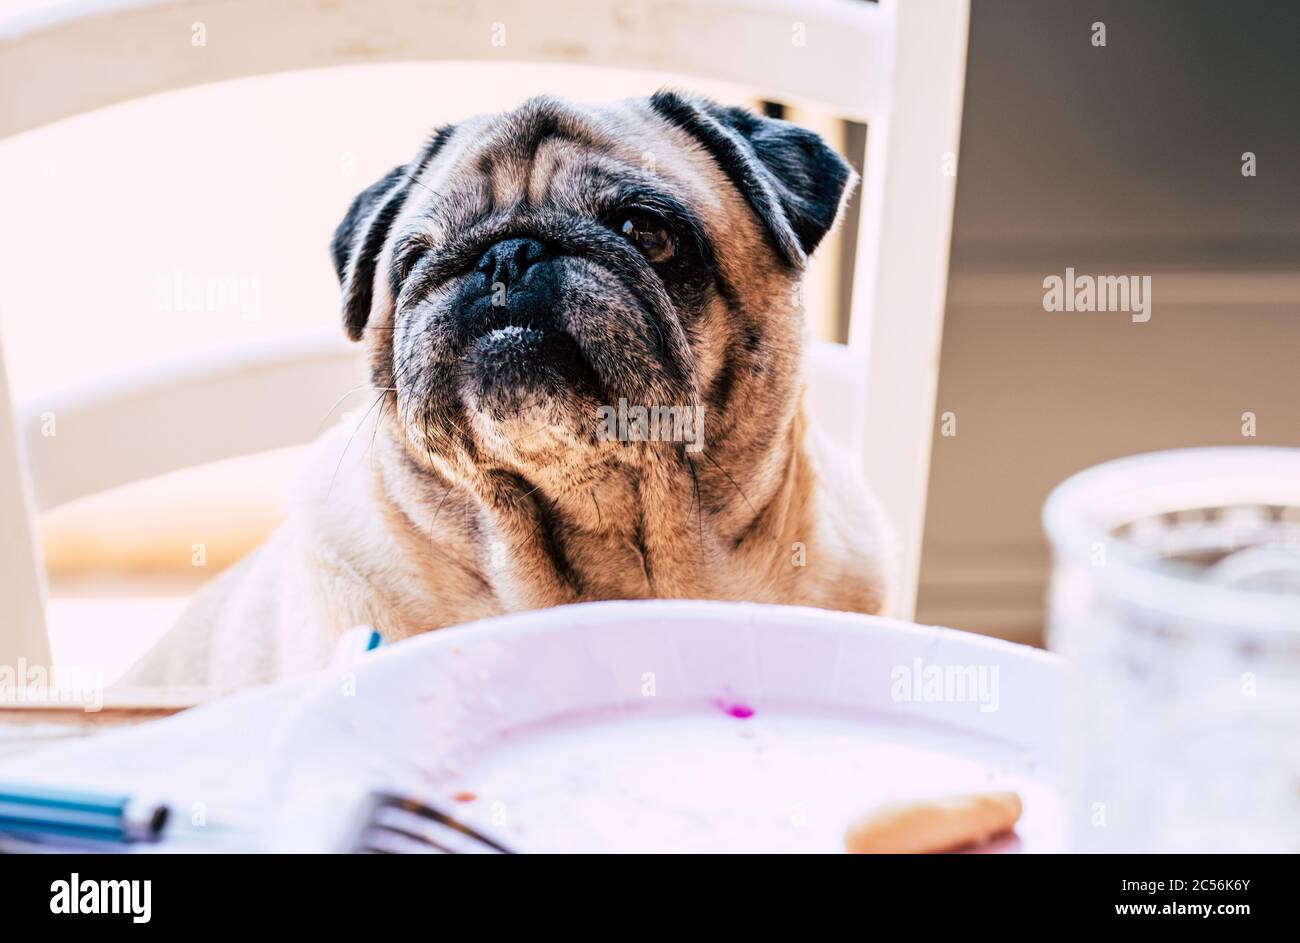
x=23, y=637
x=902, y=266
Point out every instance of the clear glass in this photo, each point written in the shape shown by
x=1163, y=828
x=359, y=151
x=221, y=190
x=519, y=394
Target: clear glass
x=1176, y=601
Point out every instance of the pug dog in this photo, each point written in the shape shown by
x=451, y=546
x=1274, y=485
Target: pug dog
x=585, y=337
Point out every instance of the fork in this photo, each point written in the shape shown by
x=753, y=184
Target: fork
x=392, y=824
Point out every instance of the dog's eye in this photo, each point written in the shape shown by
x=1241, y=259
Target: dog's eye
x=650, y=237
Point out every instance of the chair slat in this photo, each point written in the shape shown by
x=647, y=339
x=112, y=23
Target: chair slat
x=188, y=412
x=824, y=52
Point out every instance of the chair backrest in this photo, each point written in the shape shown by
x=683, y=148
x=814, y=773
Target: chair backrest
x=897, y=66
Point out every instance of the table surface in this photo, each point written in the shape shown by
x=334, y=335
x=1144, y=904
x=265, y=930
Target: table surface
x=245, y=755
x=24, y=727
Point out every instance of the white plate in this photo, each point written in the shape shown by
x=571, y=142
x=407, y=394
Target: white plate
x=687, y=726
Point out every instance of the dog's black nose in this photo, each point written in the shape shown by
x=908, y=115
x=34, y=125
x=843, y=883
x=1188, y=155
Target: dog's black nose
x=506, y=262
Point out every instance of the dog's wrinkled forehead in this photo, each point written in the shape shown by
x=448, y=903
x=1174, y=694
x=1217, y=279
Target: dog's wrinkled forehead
x=552, y=154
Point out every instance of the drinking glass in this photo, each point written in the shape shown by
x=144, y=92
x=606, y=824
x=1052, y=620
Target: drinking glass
x=1175, y=599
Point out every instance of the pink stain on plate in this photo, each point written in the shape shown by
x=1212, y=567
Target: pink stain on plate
x=734, y=709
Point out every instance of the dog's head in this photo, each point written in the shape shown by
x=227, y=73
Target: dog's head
x=532, y=281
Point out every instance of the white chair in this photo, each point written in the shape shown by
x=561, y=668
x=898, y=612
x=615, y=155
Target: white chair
x=898, y=66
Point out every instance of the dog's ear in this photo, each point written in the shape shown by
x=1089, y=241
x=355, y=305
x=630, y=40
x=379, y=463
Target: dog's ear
x=359, y=239
x=794, y=181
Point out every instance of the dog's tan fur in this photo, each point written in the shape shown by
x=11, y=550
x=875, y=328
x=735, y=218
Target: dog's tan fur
x=409, y=531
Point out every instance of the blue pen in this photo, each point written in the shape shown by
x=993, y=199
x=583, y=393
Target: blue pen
x=35, y=812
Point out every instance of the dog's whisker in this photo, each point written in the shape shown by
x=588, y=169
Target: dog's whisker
x=356, y=389
x=348, y=444
x=370, y=449
x=727, y=475
x=699, y=508
x=446, y=495
x=758, y=520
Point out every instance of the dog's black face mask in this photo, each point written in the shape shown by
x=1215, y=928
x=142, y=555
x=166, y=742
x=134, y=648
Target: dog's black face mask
x=530, y=270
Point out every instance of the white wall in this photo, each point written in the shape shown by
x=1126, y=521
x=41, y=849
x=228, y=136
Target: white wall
x=1120, y=160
